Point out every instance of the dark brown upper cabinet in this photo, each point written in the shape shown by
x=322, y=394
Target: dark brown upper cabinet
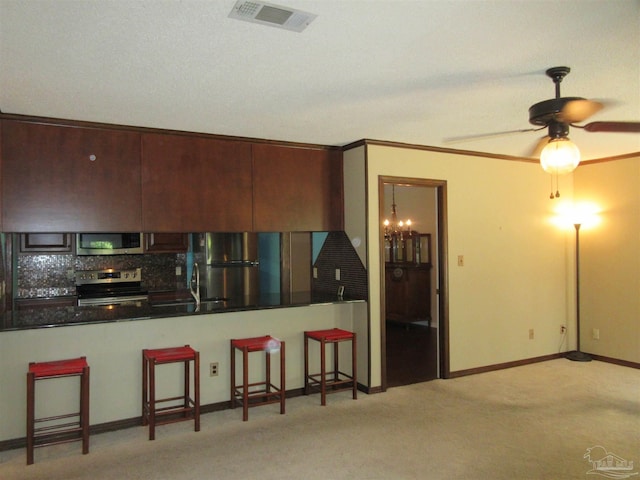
x=166, y=242
x=195, y=184
x=297, y=189
x=46, y=243
x=69, y=179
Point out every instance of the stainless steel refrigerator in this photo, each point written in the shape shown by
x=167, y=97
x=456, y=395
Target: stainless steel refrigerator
x=228, y=266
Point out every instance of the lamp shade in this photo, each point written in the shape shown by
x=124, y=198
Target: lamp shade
x=560, y=156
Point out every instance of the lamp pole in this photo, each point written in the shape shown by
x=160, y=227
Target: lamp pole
x=577, y=355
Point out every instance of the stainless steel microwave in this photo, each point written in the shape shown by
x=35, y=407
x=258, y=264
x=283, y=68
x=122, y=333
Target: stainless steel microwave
x=109, y=243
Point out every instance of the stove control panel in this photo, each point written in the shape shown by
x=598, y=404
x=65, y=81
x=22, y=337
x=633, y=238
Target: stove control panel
x=108, y=275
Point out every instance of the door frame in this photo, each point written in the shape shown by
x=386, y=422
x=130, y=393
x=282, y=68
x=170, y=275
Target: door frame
x=440, y=256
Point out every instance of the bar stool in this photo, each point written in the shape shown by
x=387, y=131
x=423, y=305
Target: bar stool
x=186, y=408
x=54, y=432
x=258, y=393
x=337, y=380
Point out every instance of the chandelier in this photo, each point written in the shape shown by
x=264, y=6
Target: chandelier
x=395, y=228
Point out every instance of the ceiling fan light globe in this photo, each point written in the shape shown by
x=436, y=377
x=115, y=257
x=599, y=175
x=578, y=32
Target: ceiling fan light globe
x=560, y=156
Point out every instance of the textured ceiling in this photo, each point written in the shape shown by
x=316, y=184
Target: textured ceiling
x=396, y=70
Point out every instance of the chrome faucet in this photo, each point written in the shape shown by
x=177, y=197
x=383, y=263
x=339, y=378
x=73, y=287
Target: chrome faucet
x=195, y=291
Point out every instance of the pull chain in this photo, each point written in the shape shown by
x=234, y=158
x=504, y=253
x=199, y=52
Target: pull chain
x=557, y=194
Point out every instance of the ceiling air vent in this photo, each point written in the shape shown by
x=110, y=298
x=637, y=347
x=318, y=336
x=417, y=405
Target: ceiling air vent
x=273, y=15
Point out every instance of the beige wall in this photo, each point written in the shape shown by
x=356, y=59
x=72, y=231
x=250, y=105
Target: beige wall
x=610, y=259
x=517, y=262
x=355, y=208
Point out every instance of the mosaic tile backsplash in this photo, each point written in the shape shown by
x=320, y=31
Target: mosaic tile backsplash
x=54, y=275
x=337, y=252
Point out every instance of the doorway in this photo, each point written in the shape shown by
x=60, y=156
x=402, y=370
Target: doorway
x=413, y=288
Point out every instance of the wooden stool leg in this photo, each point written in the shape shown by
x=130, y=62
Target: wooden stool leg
x=354, y=366
x=267, y=376
x=30, y=416
x=233, y=375
x=306, y=364
x=323, y=373
x=84, y=408
x=152, y=400
x=196, y=393
x=187, y=380
x=145, y=388
x=282, y=378
x=245, y=384
x=336, y=346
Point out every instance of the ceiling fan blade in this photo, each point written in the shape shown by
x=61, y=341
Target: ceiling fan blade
x=537, y=149
x=578, y=110
x=625, y=127
x=481, y=136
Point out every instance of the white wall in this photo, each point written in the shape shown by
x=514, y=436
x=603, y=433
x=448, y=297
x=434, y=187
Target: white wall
x=114, y=353
x=516, y=261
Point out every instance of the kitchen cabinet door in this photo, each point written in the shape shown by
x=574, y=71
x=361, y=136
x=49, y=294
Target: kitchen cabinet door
x=69, y=179
x=46, y=243
x=297, y=189
x=195, y=184
x=166, y=242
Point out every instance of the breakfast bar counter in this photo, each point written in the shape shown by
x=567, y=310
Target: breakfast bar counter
x=56, y=316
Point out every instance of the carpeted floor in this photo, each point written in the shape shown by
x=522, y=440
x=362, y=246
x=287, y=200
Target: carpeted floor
x=530, y=422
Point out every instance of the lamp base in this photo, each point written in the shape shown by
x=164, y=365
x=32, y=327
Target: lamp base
x=578, y=356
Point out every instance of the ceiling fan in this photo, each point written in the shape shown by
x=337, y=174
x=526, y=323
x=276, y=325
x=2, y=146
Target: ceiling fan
x=558, y=154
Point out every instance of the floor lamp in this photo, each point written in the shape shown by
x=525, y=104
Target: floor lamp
x=577, y=355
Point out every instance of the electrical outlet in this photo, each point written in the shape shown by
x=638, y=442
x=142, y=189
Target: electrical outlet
x=596, y=334
x=563, y=329
x=213, y=369
x=531, y=334
x=461, y=260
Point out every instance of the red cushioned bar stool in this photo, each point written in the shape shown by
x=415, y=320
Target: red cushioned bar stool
x=336, y=380
x=181, y=407
x=257, y=393
x=57, y=429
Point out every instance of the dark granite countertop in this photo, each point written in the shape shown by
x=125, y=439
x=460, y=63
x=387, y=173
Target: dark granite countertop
x=56, y=316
